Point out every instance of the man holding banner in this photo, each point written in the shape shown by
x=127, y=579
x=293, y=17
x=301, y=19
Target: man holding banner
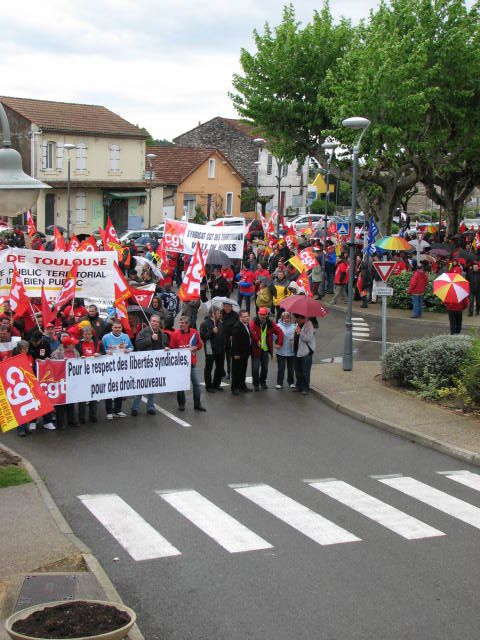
x=115, y=342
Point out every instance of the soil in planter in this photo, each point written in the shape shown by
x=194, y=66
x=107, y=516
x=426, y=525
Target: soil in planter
x=72, y=620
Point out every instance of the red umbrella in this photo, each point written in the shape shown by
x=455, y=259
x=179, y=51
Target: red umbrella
x=304, y=306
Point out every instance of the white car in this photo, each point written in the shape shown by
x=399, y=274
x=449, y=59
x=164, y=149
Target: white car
x=229, y=221
x=301, y=222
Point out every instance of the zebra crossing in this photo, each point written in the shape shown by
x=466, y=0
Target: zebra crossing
x=360, y=329
x=143, y=542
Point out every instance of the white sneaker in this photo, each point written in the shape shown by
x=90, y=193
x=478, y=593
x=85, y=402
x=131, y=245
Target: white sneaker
x=278, y=386
x=32, y=426
x=120, y=414
x=109, y=416
x=292, y=386
x=50, y=426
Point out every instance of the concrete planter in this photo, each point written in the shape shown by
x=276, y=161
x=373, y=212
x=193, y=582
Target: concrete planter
x=116, y=634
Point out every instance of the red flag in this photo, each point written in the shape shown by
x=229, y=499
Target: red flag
x=121, y=313
x=109, y=237
x=291, y=239
x=73, y=244
x=22, y=399
x=308, y=258
x=143, y=297
x=122, y=290
x=304, y=282
x=190, y=289
x=47, y=313
x=58, y=241
x=19, y=301
x=31, y=228
x=161, y=256
x=68, y=290
x=89, y=244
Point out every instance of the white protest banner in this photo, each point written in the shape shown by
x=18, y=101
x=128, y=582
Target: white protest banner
x=50, y=268
x=183, y=237
x=127, y=374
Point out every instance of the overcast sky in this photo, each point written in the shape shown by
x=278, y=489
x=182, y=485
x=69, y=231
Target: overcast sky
x=162, y=64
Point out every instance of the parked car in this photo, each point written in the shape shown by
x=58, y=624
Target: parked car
x=228, y=221
x=139, y=233
x=301, y=222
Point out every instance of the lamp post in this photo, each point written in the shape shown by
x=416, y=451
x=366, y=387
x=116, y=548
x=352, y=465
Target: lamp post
x=259, y=143
x=68, y=146
x=18, y=191
x=150, y=157
x=326, y=146
x=361, y=124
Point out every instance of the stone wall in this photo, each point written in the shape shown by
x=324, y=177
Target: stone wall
x=20, y=130
x=218, y=134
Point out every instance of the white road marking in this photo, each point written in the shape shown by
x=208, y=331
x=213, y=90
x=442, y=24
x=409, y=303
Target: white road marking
x=139, y=539
x=218, y=525
x=333, y=359
x=386, y=515
x=166, y=413
x=301, y=518
x=376, y=341
x=437, y=499
x=467, y=478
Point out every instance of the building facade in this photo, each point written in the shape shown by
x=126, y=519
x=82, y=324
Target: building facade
x=287, y=188
x=107, y=164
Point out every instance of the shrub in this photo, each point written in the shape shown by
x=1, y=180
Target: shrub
x=428, y=364
x=471, y=371
x=402, y=300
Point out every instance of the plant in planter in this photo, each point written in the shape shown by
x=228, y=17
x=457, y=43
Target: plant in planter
x=80, y=619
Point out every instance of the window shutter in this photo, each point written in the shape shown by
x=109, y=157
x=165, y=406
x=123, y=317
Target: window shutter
x=59, y=156
x=44, y=156
x=80, y=207
x=81, y=156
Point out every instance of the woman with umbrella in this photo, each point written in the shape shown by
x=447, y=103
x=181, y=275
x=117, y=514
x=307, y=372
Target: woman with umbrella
x=453, y=290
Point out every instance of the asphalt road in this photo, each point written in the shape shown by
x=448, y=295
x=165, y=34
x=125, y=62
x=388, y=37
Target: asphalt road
x=277, y=572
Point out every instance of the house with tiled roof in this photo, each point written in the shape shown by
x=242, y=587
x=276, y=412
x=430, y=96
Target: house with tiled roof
x=285, y=185
x=197, y=179
x=107, y=164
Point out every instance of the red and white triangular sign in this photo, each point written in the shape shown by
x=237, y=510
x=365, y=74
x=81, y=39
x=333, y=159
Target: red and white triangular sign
x=384, y=269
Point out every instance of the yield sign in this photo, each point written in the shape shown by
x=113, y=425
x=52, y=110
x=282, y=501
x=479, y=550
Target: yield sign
x=384, y=269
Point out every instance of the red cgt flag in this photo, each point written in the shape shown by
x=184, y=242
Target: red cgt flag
x=190, y=288
x=121, y=311
x=68, y=290
x=73, y=244
x=22, y=399
x=109, y=237
x=31, y=228
x=47, y=313
x=19, y=300
x=58, y=241
x=122, y=288
x=89, y=244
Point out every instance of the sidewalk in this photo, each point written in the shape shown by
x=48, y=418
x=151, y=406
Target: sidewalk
x=428, y=317
x=41, y=558
x=361, y=394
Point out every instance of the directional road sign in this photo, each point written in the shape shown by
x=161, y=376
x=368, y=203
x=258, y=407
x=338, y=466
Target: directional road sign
x=384, y=269
x=343, y=228
x=384, y=291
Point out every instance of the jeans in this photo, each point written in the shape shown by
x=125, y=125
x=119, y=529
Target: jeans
x=417, y=301
x=329, y=276
x=289, y=363
x=195, y=387
x=303, y=367
x=113, y=406
x=241, y=296
x=150, y=402
x=260, y=368
x=210, y=360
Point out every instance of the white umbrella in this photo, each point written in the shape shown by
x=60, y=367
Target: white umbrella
x=423, y=244
x=219, y=301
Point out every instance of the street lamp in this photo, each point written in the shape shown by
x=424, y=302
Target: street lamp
x=150, y=157
x=18, y=191
x=68, y=146
x=360, y=124
x=259, y=143
x=327, y=146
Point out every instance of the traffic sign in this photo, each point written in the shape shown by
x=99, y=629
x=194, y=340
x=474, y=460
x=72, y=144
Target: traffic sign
x=343, y=228
x=384, y=269
x=384, y=291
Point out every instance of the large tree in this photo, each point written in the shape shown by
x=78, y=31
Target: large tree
x=302, y=82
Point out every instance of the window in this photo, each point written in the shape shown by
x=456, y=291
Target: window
x=81, y=156
x=48, y=156
x=189, y=202
x=114, y=158
x=59, y=157
x=284, y=169
x=211, y=168
x=229, y=204
x=269, y=164
x=81, y=208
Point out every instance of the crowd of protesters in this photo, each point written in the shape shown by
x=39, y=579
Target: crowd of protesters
x=249, y=325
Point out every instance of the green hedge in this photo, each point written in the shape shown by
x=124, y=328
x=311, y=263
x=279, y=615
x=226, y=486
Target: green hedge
x=428, y=364
x=402, y=300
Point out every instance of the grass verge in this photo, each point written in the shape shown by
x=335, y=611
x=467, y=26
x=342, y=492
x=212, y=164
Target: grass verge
x=11, y=475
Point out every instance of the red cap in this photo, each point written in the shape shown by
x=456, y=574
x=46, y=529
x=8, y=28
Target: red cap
x=68, y=341
x=263, y=311
x=50, y=324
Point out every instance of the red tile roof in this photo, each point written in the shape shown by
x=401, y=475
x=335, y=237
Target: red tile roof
x=174, y=164
x=68, y=117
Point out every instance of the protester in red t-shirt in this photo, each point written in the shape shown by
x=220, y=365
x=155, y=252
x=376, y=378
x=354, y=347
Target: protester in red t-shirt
x=399, y=265
x=187, y=338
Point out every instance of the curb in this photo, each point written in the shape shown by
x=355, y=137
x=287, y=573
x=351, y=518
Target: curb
x=438, y=445
x=91, y=561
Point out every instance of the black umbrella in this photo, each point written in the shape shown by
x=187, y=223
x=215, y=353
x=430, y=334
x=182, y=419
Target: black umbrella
x=218, y=257
x=440, y=252
x=51, y=227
